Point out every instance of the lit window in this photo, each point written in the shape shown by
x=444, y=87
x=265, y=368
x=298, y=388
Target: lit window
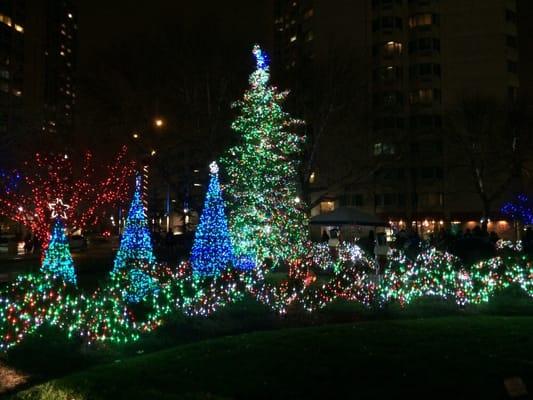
x=384, y=149
x=387, y=74
x=422, y=20
x=312, y=178
x=9, y=22
x=6, y=20
x=327, y=206
x=392, y=48
x=424, y=96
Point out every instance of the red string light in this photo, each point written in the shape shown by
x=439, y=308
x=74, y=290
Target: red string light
x=48, y=178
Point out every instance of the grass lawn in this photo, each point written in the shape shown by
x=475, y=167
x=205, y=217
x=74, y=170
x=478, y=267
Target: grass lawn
x=451, y=357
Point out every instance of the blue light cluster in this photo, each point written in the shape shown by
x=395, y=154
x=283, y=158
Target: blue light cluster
x=245, y=263
x=9, y=181
x=136, y=244
x=58, y=260
x=261, y=58
x=520, y=209
x=139, y=286
x=212, y=250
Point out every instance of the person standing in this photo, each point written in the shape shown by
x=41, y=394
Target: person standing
x=381, y=252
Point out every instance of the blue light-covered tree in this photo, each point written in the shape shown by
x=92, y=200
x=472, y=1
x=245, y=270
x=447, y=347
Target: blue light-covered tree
x=58, y=260
x=136, y=244
x=212, y=251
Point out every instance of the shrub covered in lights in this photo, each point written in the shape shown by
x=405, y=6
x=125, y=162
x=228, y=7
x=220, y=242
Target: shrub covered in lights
x=212, y=250
x=136, y=244
x=266, y=217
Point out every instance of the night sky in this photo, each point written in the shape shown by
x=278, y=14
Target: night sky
x=125, y=44
x=104, y=24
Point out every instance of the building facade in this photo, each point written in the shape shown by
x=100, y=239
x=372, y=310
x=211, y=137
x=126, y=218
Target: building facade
x=420, y=60
x=38, y=44
x=52, y=52
x=12, y=58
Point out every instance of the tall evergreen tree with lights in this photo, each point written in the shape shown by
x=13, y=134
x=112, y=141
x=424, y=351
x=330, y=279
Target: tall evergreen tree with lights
x=136, y=244
x=266, y=217
x=212, y=250
x=58, y=260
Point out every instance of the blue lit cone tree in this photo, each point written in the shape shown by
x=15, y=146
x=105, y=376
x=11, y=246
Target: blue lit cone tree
x=58, y=260
x=212, y=251
x=135, y=260
x=136, y=244
x=267, y=220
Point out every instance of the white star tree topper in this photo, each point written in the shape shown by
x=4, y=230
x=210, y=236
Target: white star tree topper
x=59, y=209
x=213, y=167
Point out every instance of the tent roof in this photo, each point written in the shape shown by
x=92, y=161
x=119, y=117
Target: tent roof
x=347, y=216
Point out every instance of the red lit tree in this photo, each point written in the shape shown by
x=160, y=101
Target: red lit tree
x=47, y=179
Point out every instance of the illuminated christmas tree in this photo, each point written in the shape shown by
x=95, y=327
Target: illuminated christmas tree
x=212, y=251
x=136, y=244
x=58, y=260
x=266, y=217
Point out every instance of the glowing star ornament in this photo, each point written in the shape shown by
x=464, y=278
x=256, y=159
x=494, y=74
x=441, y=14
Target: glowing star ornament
x=59, y=210
x=212, y=250
x=213, y=168
x=266, y=220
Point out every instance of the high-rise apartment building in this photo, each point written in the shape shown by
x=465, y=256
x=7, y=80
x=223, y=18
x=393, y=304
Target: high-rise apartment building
x=38, y=42
x=420, y=59
x=53, y=33
x=12, y=25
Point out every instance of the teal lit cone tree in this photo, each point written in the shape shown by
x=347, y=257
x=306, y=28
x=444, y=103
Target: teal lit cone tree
x=267, y=219
x=58, y=260
x=136, y=244
x=212, y=251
